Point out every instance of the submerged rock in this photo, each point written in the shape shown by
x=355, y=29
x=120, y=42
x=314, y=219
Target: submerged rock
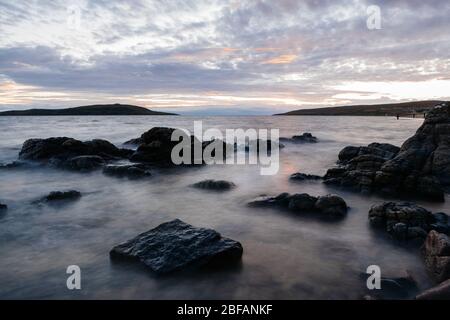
x=404, y=220
x=214, y=185
x=329, y=205
x=305, y=137
x=132, y=171
x=436, y=253
x=62, y=195
x=439, y=292
x=3, y=207
x=177, y=245
x=298, y=176
x=421, y=167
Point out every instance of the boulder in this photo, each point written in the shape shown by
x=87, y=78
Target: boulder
x=132, y=171
x=62, y=196
x=70, y=153
x=439, y=292
x=420, y=168
x=329, y=205
x=403, y=220
x=298, y=176
x=436, y=253
x=305, y=137
x=176, y=245
x=214, y=185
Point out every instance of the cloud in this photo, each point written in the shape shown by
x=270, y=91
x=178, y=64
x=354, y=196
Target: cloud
x=175, y=53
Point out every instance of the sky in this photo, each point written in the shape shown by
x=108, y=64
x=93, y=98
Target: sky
x=223, y=57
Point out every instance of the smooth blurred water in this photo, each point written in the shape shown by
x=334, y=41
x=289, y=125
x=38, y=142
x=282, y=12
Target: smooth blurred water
x=286, y=256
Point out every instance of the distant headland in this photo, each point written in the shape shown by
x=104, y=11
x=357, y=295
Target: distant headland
x=405, y=109
x=91, y=110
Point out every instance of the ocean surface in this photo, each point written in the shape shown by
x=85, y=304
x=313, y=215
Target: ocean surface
x=286, y=256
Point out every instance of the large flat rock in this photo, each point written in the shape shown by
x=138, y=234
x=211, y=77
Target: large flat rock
x=176, y=245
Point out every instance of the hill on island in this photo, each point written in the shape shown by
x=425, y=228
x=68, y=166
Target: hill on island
x=92, y=110
x=391, y=109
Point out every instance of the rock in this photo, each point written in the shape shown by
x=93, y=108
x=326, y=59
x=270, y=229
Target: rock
x=82, y=163
x=439, y=292
x=69, y=153
x=420, y=168
x=214, y=185
x=257, y=145
x=10, y=165
x=403, y=220
x=395, y=287
x=329, y=205
x=305, y=137
x=157, y=145
x=135, y=142
x=132, y=171
x=177, y=245
x=298, y=176
x=436, y=253
x=62, y=195
x=3, y=207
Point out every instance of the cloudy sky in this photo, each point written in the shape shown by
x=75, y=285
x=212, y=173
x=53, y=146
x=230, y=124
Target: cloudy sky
x=255, y=56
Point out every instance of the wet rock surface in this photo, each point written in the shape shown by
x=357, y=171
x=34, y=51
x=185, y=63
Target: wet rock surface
x=305, y=137
x=439, y=292
x=131, y=171
x=214, y=185
x=406, y=221
x=436, y=253
x=403, y=287
x=421, y=167
x=176, y=245
x=69, y=195
x=298, y=176
x=328, y=205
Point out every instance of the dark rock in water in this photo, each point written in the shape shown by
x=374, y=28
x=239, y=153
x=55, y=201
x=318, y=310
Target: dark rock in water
x=156, y=147
x=69, y=153
x=177, y=245
x=3, y=207
x=62, y=195
x=298, y=176
x=404, y=220
x=11, y=165
x=136, y=141
x=214, y=185
x=329, y=205
x=132, y=171
x=436, y=253
x=305, y=137
x=82, y=163
x=395, y=287
x=439, y=292
x=421, y=167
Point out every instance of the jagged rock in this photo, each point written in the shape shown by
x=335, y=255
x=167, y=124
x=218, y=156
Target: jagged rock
x=70, y=153
x=436, y=253
x=439, y=292
x=421, y=167
x=177, y=245
x=62, y=195
x=214, y=185
x=404, y=220
x=132, y=171
x=329, y=205
x=3, y=207
x=298, y=176
x=157, y=145
x=305, y=137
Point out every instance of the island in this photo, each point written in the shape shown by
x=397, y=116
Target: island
x=404, y=109
x=91, y=110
